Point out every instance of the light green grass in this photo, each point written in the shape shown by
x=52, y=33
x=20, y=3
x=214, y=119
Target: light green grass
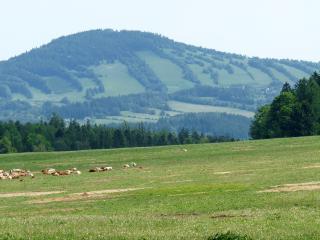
x=116, y=80
x=40, y=97
x=168, y=72
x=58, y=85
x=239, y=77
x=299, y=74
x=183, y=195
x=87, y=83
x=203, y=77
x=197, y=108
x=141, y=116
x=281, y=76
x=127, y=116
x=261, y=79
x=62, y=89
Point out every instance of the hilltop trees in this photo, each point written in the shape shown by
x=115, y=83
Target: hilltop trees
x=295, y=112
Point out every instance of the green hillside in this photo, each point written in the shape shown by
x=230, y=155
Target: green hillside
x=265, y=189
x=100, y=74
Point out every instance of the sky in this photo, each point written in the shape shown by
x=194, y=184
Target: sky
x=263, y=28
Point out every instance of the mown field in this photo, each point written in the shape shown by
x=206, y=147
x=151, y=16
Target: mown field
x=198, y=108
x=176, y=194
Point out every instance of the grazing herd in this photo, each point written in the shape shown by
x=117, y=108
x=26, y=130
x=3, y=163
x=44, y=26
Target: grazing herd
x=100, y=169
x=54, y=172
x=14, y=174
x=20, y=173
x=133, y=164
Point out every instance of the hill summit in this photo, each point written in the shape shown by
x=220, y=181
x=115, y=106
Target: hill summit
x=137, y=76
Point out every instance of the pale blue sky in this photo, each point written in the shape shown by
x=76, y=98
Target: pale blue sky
x=265, y=28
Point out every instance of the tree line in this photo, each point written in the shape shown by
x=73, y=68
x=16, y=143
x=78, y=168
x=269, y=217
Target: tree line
x=58, y=135
x=217, y=124
x=294, y=112
x=139, y=103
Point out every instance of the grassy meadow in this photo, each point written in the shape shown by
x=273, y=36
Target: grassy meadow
x=172, y=194
x=198, y=108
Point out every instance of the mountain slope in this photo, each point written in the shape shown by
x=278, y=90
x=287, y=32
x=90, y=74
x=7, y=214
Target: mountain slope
x=105, y=73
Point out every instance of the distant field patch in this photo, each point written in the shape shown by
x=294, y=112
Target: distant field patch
x=204, y=78
x=27, y=194
x=58, y=85
x=116, y=80
x=309, y=186
x=261, y=79
x=196, y=108
x=127, y=116
x=239, y=77
x=168, y=72
x=83, y=195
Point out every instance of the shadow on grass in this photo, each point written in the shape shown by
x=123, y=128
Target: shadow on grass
x=228, y=236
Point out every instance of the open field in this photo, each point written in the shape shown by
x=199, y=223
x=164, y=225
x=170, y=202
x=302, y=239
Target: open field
x=197, y=108
x=117, y=80
x=169, y=73
x=265, y=189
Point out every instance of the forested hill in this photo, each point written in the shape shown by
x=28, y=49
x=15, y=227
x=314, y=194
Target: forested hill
x=128, y=75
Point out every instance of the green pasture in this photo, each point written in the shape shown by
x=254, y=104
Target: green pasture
x=172, y=194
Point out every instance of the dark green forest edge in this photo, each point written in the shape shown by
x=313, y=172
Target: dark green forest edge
x=57, y=135
x=103, y=73
x=294, y=112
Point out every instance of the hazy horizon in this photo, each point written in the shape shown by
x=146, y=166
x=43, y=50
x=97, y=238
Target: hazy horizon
x=270, y=28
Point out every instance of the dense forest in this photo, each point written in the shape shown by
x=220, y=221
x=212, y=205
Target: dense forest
x=216, y=124
x=294, y=112
x=58, y=135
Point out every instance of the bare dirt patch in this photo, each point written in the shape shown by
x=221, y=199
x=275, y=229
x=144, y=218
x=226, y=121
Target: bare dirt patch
x=312, y=166
x=238, y=172
x=308, y=186
x=178, y=181
x=27, y=194
x=222, y=216
x=180, y=215
x=84, y=195
x=170, y=176
x=222, y=173
x=105, y=191
x=59, y=199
